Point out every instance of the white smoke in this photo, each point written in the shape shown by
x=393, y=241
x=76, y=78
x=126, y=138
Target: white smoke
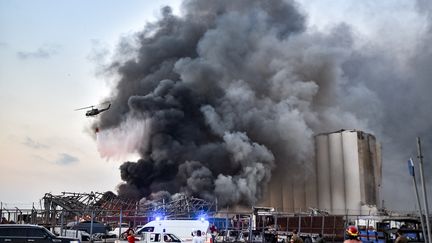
x=118, y=143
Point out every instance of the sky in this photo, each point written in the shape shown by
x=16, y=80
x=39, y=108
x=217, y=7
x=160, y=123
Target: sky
x=50, y=58
x=47, y=70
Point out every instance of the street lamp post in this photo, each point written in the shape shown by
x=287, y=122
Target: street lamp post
x=425, y=200
x=412, y=173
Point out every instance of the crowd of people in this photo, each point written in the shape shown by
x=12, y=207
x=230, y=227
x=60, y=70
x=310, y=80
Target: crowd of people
x=352, y=235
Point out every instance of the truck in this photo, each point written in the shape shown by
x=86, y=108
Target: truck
x=184, y=229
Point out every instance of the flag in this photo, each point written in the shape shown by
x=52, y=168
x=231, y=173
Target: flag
x=411, y=167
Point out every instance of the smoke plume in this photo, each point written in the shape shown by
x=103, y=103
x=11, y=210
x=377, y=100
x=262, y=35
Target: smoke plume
x=217, y=100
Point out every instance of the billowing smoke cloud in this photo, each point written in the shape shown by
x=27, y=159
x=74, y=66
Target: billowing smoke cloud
x=233, y=91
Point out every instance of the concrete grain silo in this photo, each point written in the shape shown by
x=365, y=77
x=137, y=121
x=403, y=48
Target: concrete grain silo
x=349, y=170
x=344, y=178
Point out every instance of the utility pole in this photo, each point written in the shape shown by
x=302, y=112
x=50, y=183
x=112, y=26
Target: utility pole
x=425, y=200
x=91, y=225
x=412, y=173
x=121, y=219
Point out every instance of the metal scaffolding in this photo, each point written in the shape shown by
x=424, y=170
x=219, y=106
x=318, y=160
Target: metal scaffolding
x=86, y=203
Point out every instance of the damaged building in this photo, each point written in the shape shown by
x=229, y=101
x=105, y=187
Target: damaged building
x=344, y=178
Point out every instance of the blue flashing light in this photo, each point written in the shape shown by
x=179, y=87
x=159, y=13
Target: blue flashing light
x=158, y=216
x=202, y=217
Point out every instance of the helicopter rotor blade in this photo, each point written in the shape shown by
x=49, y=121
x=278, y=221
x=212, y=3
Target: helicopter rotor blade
x=84, y=108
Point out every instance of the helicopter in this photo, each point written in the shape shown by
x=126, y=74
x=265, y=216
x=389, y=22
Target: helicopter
x=93, y=111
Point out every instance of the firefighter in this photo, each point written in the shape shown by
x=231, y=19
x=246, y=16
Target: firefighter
x=352, y=234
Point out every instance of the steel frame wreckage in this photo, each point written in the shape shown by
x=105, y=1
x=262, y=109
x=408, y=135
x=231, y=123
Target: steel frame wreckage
x=108, y=208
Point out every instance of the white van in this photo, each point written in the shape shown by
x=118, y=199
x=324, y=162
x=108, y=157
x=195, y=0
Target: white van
x=184, y=229
x=150, y=237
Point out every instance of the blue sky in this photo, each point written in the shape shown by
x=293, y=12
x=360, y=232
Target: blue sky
x=48, y=69
x=46, y=72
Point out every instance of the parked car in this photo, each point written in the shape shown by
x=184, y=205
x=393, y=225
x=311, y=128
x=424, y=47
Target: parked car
x=86, y=225
x=20, y=233
x=115, y=232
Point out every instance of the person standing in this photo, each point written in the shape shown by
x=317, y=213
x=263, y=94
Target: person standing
x=213, y=232
x=197, y=238
x=127, y=232
x=295, y=238
x=131, y=237
x=400, y=237
x=351, y=234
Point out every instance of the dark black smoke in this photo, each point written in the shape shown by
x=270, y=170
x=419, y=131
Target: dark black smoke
x=214, y=101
